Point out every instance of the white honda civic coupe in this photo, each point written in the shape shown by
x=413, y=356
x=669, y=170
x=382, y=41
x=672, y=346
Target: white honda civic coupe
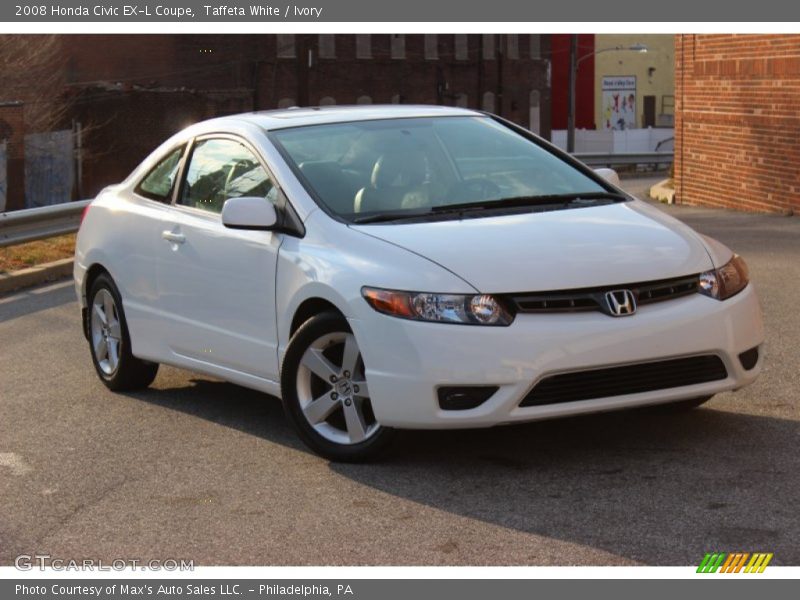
x=382, y=268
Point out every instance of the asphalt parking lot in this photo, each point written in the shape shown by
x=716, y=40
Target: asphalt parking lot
x=198, y=469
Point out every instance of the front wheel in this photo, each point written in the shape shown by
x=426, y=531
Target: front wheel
x=110, y=342
x=325, y=392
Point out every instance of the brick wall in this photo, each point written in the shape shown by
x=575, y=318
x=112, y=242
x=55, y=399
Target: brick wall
x=737, y=121
x=414, y=79
x=130, y=92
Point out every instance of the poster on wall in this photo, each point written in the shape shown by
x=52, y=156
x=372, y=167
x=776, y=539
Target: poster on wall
x=619, y=102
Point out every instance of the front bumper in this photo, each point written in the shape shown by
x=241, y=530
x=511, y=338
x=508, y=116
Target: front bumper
x=78, y=276
x=407, y=361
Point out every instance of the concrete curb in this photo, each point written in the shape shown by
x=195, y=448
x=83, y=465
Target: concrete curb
x=663, y=192
x=15, y=280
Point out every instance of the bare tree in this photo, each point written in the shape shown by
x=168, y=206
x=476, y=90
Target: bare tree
x=32, y=71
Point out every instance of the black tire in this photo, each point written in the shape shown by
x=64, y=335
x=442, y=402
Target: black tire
x=317, y=328
x=130, y=373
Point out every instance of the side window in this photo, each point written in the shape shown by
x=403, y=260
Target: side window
x=160, y=181
x=220, y=169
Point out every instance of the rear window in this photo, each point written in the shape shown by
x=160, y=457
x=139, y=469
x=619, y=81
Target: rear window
x=159, y=183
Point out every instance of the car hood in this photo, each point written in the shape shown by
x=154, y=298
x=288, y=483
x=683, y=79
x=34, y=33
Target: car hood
x=563, y=249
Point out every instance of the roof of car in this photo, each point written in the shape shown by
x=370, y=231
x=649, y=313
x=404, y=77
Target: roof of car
x=298, y=117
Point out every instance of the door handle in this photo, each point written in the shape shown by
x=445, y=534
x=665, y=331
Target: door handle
x=175, y=238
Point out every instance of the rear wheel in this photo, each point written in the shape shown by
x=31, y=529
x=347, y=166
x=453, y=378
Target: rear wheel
x=110, y=343
x=325, y=392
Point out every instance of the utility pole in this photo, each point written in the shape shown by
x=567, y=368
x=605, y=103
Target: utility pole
x=574, y=63
x=573, y=74
x=499, y=54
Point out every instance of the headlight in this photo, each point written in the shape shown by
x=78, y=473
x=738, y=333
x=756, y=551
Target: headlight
x=479, y=309
x=726, y=281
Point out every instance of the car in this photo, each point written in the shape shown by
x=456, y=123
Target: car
x=381, y=268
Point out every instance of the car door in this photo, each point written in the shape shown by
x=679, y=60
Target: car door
x=136, y=251
x=215, y=284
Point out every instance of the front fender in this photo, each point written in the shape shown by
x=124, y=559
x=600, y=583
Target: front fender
x=334, y=262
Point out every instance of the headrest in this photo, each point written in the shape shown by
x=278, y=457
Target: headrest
x=399, y=169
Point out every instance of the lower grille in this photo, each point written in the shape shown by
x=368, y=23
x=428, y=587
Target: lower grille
x=627, y=379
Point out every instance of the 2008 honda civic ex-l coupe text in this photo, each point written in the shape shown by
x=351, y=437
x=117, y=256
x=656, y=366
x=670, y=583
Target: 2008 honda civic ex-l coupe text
x=405, y=267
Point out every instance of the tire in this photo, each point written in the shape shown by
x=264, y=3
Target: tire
x=110, y=342
x=325, y=394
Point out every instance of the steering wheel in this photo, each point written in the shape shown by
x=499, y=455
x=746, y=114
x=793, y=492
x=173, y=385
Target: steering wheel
x=476, y=189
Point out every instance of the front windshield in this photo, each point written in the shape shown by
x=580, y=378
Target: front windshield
x=365, y=168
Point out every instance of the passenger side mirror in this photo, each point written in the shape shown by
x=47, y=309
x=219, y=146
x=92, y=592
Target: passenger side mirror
x=610, y=175
x=249, y=212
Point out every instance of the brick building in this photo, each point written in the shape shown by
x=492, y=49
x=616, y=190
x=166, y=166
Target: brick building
x=737, y=121
x=12, y=176
x=131, y=91
x=584, y=81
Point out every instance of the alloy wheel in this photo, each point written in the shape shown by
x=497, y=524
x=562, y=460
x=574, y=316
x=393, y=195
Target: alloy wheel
x=332, y=390
x=106, y=332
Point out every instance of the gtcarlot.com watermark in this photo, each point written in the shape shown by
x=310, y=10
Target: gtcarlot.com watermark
x=29, y=562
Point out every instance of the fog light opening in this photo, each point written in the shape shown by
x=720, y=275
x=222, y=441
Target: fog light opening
x=749, y=358
x=464, y=397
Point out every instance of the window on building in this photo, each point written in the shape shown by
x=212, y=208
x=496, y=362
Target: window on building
x=286, y=102
x=363, y=46
x=327, y=101
x=160, y=181
x=488, y=102
x=431, y=46
x=461, y=46
x=535, y=41
x=398, y=49
x=220, y=169
x=327, y=46
x=364, y=100
x=488, y=46
x=512, y=46
x=286, y=48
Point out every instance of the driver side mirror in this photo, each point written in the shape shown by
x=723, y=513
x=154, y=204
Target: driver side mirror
x=610, y=175
x=249, y=212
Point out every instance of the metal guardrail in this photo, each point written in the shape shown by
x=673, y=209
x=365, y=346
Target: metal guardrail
x=31, y=224
x=603, y=159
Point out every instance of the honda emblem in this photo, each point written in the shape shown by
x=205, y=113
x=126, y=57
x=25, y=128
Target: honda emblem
x=620, y=303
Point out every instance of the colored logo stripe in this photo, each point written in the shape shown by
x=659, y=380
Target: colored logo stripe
x=711, y=562
x=758, y=563
x=734, y=562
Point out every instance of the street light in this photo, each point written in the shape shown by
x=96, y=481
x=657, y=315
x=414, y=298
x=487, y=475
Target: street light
x=574, y=63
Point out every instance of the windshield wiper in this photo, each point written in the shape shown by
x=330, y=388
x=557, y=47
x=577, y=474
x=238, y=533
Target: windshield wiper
x=519, y=201
x=389, y=216
x=516, y=201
